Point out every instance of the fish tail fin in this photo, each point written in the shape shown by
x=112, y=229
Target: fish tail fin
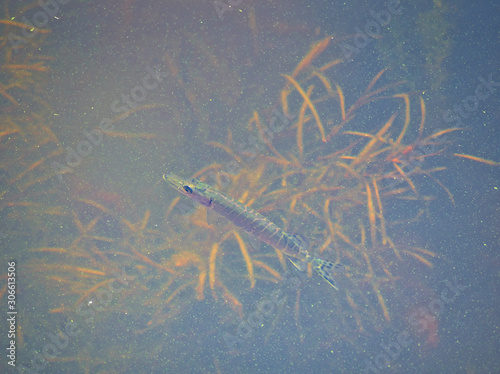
x=326, y=268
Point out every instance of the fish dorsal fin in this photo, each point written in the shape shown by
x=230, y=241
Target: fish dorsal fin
x=304, y=243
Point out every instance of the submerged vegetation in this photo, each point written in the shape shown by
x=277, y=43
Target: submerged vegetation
x=350, y=175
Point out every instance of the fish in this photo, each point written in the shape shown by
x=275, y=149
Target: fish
x=254, y=223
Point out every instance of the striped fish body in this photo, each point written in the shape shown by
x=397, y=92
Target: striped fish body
x=256, y=224
x=253, y=223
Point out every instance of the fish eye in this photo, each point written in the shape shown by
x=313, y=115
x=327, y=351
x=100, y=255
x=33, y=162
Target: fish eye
x=188, y=189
